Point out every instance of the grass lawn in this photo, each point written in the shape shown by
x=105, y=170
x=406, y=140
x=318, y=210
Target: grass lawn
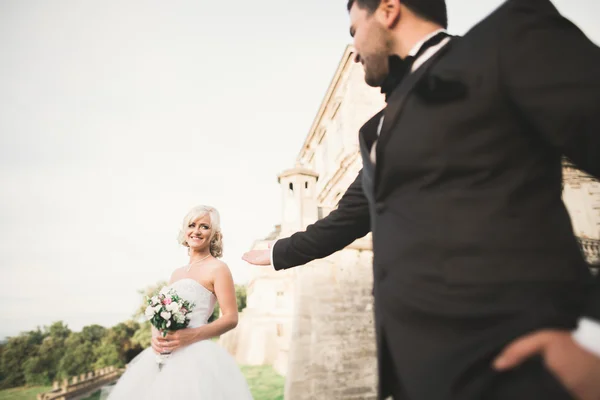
x=95, y=396
x=264, y=382
x=23, y=393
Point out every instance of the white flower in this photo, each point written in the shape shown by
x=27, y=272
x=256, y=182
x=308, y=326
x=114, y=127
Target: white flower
x=154, y=300
x=179, y=318
x=168, y=323
x=165, y=315
x=157, y=308
x=149, y=312
x=173, y=307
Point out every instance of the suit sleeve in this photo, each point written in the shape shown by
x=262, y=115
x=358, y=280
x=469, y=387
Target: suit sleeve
x=551, y=73
x=341, y=227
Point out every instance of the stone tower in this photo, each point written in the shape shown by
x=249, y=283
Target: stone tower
x=263, y=334
x=299, y=199
x=332, y=351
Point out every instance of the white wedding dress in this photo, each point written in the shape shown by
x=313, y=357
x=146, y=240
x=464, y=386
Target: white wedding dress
x=200, y=371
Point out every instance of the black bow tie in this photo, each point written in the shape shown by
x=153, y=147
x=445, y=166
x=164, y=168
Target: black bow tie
x=399, y=68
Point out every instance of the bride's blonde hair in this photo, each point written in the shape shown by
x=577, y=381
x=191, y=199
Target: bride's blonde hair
x=216, y=239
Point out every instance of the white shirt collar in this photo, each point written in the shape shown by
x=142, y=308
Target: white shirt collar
x=415, y=49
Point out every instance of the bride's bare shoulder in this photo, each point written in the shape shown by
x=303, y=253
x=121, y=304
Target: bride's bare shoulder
x=177, y=274
x=219, y=268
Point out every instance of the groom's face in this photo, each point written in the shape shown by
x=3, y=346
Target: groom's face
x=371, y=42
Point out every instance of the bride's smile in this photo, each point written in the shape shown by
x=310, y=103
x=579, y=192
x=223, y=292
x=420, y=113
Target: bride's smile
x=199, y=233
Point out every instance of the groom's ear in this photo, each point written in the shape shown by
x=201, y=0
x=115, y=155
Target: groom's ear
x=389, y=12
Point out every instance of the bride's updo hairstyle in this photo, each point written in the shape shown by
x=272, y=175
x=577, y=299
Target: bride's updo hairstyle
x=216, y=240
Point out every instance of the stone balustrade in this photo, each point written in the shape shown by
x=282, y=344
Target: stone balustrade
x=591, y=250
x=78, y=385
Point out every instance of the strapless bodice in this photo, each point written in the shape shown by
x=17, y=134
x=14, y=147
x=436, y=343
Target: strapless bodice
x=192, y=291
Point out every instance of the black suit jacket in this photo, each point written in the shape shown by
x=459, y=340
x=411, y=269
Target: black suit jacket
x=468, y=181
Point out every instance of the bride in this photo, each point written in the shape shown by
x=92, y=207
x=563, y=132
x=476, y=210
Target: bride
x=197, y=368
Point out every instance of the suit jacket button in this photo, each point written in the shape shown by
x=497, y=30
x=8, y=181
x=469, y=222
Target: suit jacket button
x=379, y=207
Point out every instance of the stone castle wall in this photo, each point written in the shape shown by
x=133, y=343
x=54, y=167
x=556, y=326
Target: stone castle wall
x=314, y=324
x=333, y=350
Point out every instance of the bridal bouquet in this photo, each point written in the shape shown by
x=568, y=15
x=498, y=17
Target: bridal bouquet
x=167, y=311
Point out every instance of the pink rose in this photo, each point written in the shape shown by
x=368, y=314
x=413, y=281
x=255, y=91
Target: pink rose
x=167, y=300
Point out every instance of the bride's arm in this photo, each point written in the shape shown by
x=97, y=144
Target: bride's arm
x=225, y=293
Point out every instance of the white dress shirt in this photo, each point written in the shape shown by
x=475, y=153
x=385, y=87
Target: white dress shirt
x=427, y=54
x=587, y=334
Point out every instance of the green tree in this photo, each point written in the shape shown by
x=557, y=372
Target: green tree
x=93, y=333
x=240, y=296
x=215, y=315
x=15, y=353
x=41, y=369
x=117, y=347
x=80, y=356
x=58, y=330
x=148, y=291
x=143, y=335
x=37, y=372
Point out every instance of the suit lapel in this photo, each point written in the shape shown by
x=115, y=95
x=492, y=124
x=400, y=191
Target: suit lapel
x=368, y=132
x=396, y=104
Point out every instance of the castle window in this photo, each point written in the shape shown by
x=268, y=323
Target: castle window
x=338, y=197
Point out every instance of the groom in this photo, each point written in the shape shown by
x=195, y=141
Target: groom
x=461, y=188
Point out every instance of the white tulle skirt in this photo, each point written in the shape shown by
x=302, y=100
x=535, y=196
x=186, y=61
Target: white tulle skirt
x=201, y=371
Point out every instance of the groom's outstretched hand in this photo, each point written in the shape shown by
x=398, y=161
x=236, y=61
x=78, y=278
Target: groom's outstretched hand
x=259, y=257
x=576, y=368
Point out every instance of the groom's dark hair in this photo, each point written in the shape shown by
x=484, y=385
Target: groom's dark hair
x=431, y=10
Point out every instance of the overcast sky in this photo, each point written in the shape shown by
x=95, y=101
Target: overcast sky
x=116, y=117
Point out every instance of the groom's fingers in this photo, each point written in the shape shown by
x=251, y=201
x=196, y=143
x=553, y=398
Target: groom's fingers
x=522, y=348
x=248, y=257
x=257, y=257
